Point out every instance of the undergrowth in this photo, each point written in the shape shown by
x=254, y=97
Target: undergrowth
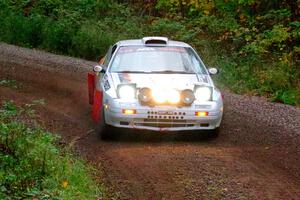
x=254, y=43
x=34, y=166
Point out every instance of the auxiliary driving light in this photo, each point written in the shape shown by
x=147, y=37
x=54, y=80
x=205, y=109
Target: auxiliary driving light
x=129, y=111
x=173, y=96
x=145, y=95
x=166, y=95
x=201, y=114
x=187, y=97
x=159, y=96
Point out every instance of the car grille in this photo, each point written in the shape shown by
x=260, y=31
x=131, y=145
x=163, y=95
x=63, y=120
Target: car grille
x=161, y=123
x=165, y=121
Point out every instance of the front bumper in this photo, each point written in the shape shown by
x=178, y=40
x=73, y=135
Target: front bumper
x=164, y=118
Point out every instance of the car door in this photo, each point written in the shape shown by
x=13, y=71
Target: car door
x=97, y=101
x=94, y=78
x=109, y=55
x=107, y=58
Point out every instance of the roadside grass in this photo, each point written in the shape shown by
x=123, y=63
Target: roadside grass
x=34, y=166
x=10, y=83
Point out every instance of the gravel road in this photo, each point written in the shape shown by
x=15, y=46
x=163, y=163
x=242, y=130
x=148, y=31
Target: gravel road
x=256, y=156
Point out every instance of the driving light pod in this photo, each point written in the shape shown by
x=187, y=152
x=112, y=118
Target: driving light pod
x=187, y=97
x=203, y=93
x=126, y=91
x=145, y=95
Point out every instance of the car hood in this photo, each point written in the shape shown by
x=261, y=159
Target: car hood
x=178, y=81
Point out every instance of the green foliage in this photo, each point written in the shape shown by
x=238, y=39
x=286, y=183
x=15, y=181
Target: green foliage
x=262, y=42
x=167, y=27
x=214, y=25
x=256, y=42
x=33, y=167
x=77, y=28
x=91, y=40
x=186, y=6
x=10, y=83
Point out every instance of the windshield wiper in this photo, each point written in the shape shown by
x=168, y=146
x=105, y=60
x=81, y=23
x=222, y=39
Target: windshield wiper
x=171, y=72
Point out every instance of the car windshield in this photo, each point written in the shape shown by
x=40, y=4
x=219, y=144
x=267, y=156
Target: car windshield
x=141, y=59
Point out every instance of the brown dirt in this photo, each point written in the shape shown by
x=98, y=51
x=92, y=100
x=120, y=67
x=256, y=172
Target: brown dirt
x=256, y=156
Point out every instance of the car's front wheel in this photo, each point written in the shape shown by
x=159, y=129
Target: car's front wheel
x=214, y=133
x=104, y=131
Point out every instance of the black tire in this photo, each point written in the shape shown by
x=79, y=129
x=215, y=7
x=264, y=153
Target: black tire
x=214, y=133
x=104, y=131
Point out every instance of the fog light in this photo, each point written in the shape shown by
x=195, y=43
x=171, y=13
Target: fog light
x=201, y=114
x=129, y=111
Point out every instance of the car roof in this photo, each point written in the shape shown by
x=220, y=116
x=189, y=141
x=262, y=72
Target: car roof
x=140, y=42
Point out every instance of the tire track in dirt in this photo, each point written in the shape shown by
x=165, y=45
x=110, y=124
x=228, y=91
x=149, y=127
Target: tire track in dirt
x=255, y=157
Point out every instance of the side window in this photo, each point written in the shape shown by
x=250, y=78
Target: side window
x=109, y=54
x=114, y=49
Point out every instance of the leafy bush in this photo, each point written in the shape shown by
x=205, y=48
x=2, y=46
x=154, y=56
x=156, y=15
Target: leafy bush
x=257, y=42
x=250, y=37
x=32, y=166
x=10, y=83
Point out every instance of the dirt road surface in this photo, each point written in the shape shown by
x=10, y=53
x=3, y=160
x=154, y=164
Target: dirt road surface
x=256, y=156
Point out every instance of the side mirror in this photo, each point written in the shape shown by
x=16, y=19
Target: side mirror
x=98, y=69
x=213, y=71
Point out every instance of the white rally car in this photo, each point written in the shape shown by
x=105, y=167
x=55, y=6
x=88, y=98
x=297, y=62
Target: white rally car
x=156, y=84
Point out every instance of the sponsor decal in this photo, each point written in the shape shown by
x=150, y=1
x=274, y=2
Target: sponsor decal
x=165, y=112
x=106, y=84
x=202, y=79
x=205, y=80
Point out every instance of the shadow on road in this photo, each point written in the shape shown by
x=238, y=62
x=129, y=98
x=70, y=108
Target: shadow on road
x=145, y=136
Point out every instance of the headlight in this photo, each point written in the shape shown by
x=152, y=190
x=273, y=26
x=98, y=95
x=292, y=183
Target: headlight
x=187, y=97
x=126, y=91
x=203, y=93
